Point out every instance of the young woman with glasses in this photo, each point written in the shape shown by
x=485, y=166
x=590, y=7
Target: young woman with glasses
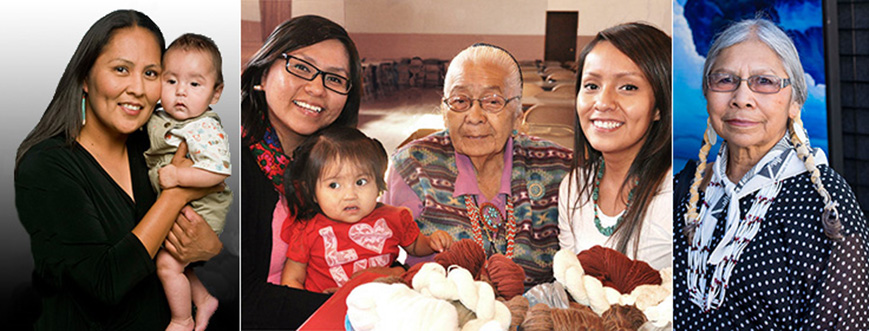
x=304, y=78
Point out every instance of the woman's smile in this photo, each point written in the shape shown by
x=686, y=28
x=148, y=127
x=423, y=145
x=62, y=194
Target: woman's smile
x=307, y=107
x=615, y=103
x=606, y=125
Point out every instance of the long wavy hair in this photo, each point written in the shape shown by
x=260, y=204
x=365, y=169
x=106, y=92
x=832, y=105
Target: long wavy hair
x=63, y=115
x=650, y=49
x=296, y=33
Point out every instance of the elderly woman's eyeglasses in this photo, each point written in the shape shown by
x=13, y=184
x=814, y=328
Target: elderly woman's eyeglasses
x=491, y=103
x=307, y=71
x=765, y=84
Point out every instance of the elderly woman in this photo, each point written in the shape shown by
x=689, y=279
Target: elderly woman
x=82, y=189
x=305, y=77
x=480, y=179
x=773, y=237
x=623, y=161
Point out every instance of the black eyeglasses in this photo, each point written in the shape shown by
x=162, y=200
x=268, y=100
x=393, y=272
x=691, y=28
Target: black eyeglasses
x=491, y=103
x=307, y=71
x=765, y=84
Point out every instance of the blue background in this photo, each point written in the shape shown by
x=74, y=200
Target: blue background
x=695, y=23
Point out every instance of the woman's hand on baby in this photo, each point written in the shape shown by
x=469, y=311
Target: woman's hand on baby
x=180, y=160
x=191, y=239
x=440, y=241
x=168, y=176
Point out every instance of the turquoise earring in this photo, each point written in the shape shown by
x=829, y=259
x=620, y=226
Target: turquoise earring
x=83, y=119
x=515, y=132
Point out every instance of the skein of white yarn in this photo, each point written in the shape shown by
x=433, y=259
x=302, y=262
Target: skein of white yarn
x=649, y=295
x=378, y=306
x=596, y=296
x=479, y=297
x=660, y=314
x=667, y=278
x=569, y=272
x=433, y=282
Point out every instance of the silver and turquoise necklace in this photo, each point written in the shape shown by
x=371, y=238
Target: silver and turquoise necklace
x=595, y=194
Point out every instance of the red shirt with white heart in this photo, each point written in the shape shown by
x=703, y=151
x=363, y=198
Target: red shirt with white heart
x=335, y=250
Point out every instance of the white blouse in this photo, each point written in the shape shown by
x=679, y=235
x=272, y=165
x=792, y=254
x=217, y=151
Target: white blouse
x=577, y=231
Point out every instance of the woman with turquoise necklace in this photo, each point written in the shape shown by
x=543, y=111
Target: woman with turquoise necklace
x=619, y=191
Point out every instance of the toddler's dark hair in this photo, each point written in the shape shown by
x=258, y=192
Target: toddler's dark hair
x=198, y=42
x=310, y=159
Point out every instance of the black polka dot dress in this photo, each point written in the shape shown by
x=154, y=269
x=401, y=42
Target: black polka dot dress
x=791, y=276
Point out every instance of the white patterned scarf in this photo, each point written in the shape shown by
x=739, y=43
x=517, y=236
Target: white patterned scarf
x=780, y=163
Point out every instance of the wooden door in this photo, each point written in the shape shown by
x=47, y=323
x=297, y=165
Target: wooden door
x=561, y=36
x=273, y=13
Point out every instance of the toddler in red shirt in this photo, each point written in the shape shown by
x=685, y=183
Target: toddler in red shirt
x=336, y=227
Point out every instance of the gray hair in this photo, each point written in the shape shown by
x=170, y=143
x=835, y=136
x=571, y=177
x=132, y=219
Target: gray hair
x=485, y=53
x=768, y=33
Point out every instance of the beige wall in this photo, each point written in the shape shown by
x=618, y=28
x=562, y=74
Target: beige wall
x=594, y=16
x=331, y=9
x=440, y=28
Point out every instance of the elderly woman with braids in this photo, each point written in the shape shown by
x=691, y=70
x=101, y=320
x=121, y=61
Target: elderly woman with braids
x=480, y=179
x=772, y=236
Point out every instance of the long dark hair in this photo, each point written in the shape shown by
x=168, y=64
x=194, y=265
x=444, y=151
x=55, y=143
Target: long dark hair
x=650, y=49
x=296, y=33
x=349, y=145
x=63, y=115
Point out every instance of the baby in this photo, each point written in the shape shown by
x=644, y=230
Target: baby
x=337, y=228
x=192, y=80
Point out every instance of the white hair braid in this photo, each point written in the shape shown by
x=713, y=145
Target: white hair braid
x=709, y=139
x=830, y=218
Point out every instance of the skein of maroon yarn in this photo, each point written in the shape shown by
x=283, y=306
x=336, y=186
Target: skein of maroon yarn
x=464, y=253
x=506, y=276
x=616, y=270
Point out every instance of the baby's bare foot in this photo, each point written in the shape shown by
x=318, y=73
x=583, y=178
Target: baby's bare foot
x=181, y=325
x=204, y=311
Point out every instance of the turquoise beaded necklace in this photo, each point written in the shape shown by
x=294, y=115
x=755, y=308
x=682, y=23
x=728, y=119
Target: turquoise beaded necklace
x=595, y=194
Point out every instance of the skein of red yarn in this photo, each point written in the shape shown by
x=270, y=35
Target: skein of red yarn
x=616, y=270
x=506, y=276
x=464, y=253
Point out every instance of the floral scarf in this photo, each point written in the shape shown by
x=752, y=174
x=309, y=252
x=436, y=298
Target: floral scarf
x=273, y=163
x=271, y=158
